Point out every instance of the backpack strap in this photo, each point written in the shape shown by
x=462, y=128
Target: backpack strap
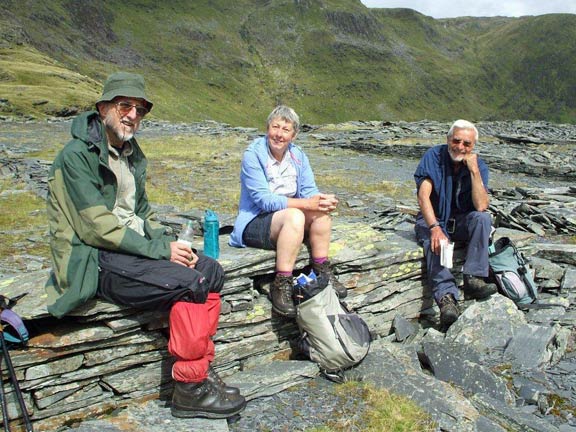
x=19, y=333
x=537, y=305
x=10, y=317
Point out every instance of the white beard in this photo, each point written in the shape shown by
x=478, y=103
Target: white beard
x=118, y=128
x=456, y=157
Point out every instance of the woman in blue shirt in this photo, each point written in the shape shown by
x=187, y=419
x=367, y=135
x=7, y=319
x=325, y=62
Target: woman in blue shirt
x=280, y=204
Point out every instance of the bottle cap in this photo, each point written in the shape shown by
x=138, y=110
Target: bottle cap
x=210, y=215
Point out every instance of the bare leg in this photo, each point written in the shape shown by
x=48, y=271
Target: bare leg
x=319, y=228
x=287, y=230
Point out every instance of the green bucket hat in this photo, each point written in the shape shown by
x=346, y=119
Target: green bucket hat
x=124, y=84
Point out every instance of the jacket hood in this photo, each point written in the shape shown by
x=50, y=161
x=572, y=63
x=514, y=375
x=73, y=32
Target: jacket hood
x=87, y=127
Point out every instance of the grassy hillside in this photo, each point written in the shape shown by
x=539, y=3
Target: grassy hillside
x=532, y=66
x=332, y=60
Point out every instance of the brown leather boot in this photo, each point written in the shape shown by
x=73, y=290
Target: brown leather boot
x=449, y=311
x=204, y=400
x=475, y=287
x=325, y=271
x=217, y=381
x=281, y=296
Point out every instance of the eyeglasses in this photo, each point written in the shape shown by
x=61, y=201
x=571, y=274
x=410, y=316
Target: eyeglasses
x=460, y=141
x=125, y=107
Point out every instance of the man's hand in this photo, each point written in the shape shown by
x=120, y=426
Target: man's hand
x=436, y=236
x=480, y=198
x=471, y=161
x=182, y=254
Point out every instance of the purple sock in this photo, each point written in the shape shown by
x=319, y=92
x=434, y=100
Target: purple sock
x=319, y=260
x=283, y=273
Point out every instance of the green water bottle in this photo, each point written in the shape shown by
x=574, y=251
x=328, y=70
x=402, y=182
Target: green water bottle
x=211, y=230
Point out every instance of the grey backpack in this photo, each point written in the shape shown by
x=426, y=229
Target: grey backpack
x=511, y=272
x=331, y=335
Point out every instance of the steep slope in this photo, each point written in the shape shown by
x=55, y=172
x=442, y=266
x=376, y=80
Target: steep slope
x=531, y=64
x=333, y=60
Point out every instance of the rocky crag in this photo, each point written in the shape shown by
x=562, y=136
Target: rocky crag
x=497, y=368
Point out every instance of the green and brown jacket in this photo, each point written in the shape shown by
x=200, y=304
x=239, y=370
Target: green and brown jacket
x=81, y=196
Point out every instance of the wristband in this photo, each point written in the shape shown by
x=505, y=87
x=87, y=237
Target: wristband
x=434, y=225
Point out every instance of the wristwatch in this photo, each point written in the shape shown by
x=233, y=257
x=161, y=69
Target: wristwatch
x=434, y=225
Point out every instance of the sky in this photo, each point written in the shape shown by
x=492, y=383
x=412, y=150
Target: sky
x=456, y=8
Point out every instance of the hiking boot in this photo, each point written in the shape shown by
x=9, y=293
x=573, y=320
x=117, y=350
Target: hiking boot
x=324, y=271
x=204, y=400
x=215, y=379
x=449, y=311
x=281, y=296
x=476, y=288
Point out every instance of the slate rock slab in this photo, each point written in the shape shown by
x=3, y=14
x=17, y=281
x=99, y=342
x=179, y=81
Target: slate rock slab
x=403, y=328
x=151, y=416
x=272, y=378
x=448, y=366
x=513, y=419
x=487, y=325
x=536, y=347
x=390, y=367
x=569, y=280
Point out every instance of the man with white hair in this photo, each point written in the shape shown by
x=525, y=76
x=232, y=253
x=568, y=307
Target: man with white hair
x=452, y=184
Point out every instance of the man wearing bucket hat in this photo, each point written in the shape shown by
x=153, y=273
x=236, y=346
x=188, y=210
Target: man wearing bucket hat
x=105, y=244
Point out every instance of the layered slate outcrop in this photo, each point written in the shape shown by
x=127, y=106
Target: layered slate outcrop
x=103, y=356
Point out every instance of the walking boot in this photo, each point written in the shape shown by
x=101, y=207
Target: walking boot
x=204, y=400
x=218, y=382
x=325, y=272
x=281, y=296
x=476, y=288
x=449, y=311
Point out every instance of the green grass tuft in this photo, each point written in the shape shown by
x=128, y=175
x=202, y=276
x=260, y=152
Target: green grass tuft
x=385, y=412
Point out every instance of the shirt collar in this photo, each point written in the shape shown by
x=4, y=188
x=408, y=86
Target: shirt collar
x=126, y=151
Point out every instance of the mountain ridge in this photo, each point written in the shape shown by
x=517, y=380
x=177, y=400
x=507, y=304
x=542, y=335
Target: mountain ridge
x=332, y=60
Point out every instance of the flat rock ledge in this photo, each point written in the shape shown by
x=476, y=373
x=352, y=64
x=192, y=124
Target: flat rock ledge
x=106, y=368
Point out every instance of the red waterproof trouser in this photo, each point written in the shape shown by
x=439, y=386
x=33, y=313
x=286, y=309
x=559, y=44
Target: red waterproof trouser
x=163, y=285
x=192, y=326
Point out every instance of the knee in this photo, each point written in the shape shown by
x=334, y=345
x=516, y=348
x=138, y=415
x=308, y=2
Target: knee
x=217, y=278
x=481, y=218
x=212, y=271
x=321, y=223
x=215, y=275
x=324, y=219
x=295, y=218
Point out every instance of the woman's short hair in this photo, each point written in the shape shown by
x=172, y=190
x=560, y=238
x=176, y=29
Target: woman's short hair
x=285, y=113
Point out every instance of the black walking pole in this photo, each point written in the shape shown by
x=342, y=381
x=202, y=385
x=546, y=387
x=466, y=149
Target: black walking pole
x=5, y=417
x=12, y=374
